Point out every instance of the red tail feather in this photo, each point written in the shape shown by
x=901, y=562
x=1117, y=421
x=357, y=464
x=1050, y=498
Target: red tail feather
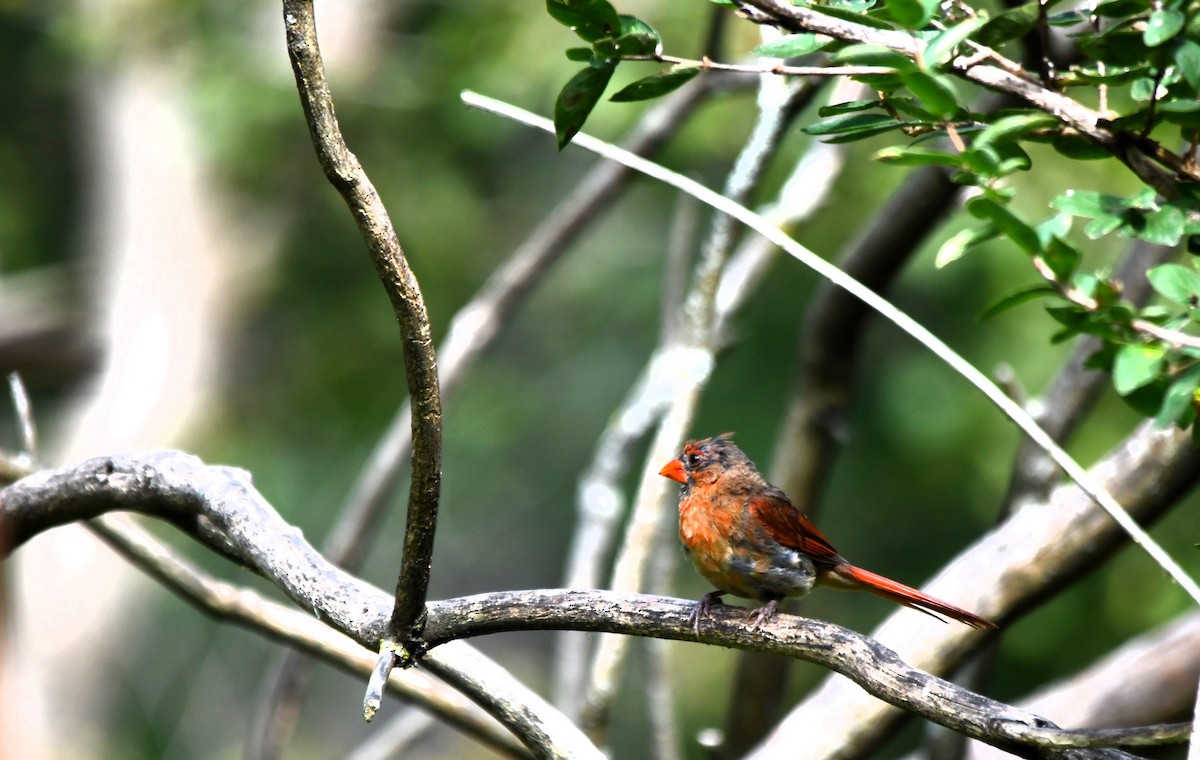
x=897, y=592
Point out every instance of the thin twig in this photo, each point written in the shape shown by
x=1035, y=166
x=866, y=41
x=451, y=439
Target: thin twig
x=420, y=364
x=935, y=345
x=779, y=69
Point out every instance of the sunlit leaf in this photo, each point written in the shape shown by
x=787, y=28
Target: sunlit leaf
x=941, y=48
x=1163, y=24
x=1135, y=365
x=1175, y=282
x=961, y=242
x=793, y=45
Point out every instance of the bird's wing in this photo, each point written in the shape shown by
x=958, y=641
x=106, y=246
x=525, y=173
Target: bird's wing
x=785, y=524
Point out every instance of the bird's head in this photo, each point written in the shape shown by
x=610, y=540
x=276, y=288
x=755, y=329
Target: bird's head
x=706, y=461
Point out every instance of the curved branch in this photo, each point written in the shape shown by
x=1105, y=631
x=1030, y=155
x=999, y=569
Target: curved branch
x=420, y=366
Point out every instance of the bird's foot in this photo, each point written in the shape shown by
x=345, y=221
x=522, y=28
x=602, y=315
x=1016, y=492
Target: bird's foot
x=765, y=613
x=703, y=607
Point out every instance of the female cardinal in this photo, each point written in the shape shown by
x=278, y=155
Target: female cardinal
x=747, y=538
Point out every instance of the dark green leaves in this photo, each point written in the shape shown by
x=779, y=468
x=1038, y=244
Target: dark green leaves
x=577, y=99
x=590, y=19
x=656, y=85
x=612, y=36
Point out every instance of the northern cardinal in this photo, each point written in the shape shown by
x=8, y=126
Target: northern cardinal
x=747, y=538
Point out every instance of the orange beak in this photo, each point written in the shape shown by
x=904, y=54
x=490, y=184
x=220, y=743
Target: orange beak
x=674, y=471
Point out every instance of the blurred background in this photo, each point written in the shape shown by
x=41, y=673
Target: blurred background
x=176, y=272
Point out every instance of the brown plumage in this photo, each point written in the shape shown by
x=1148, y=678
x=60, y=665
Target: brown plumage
x=747, y=538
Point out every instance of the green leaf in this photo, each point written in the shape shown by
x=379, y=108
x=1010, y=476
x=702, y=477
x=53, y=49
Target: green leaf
x=872, y=55
x=910, y=156
x=590, y=19
x=941, y=48
x=1014, y=126
x=1016, y=299
x=850, y=106
x=1024, y=236
x=1162, y=25
x=579, y=54
x=656, y=85
x=577, y=99
x=637, y=38
x=854, y=122
x=1089, y=204
x=851, y=15
x=912, y=14
x=1175, y=282
x=1187, y=58
x=793, y=45
x=1009, y=25
x=961, y=242
x=1179, y=402
x=1136, y=365
x=1061, y=257
x=1102, y=225
x=1162, y=226
x=934, y=90
x=1119, y=8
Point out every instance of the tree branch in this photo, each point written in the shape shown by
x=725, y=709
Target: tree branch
x=347, y=176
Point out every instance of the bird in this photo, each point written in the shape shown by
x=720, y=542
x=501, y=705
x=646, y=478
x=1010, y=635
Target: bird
x=747, y=538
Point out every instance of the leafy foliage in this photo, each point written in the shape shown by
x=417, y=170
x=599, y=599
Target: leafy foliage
x=1139, y=60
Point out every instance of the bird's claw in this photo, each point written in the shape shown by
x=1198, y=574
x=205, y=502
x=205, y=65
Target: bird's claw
x=703, y=607
x=765, y=612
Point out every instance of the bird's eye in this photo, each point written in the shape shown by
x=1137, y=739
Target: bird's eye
x=693, y=460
